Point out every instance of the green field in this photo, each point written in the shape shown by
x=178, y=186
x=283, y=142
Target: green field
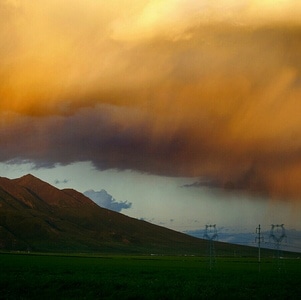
x=28, y=276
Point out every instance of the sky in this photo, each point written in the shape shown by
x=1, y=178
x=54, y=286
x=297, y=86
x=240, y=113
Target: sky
x=188, y=110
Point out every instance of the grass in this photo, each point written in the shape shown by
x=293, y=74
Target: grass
x=27, y=276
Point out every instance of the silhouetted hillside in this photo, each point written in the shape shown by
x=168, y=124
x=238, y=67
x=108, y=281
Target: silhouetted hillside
x=37, y=216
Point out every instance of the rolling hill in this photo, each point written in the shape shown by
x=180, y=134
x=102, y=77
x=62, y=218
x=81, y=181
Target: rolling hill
x=35, y=215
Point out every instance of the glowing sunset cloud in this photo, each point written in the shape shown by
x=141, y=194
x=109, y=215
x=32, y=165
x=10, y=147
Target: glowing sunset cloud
x=180, y=88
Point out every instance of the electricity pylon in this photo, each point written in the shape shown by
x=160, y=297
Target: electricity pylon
x=211, y=235
x=277, y=234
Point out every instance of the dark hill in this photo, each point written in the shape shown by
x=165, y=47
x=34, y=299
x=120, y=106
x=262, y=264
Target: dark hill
x=37, y=216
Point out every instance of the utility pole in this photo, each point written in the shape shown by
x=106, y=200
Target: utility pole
x=258, y=240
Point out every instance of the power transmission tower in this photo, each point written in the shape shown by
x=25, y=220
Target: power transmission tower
x=211, y=235
x=277, y=234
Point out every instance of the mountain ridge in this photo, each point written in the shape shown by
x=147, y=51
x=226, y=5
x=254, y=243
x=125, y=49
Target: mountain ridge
x=37, y=216
x=47, y=192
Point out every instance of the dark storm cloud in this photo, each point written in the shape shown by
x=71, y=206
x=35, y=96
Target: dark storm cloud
x=121, y=138
x=110, y=137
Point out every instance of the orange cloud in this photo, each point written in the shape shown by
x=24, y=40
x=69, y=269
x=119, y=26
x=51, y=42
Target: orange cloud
x=202, y=93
